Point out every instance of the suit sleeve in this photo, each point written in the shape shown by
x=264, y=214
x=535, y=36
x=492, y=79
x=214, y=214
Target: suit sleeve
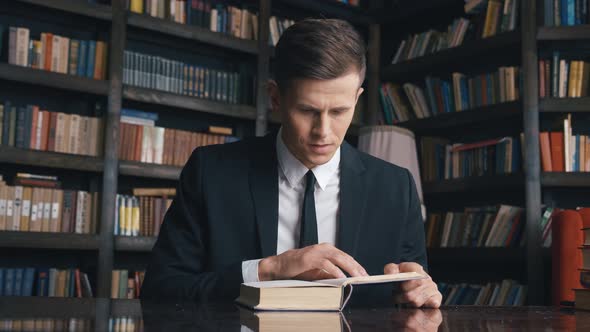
x=178, y=264
x=414, y=247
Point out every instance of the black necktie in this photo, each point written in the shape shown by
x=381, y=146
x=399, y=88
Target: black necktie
x=309, y=225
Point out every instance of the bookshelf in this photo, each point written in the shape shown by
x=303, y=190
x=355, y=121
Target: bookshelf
x=107, y=173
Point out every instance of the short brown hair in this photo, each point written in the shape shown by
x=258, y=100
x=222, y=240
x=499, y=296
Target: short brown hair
x=319, y=49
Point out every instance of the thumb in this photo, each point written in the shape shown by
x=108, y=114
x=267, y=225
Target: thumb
x=391, y=268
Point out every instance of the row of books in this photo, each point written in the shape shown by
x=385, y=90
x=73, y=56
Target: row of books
x=560, y=78
x=565, y=12
x=431, y=41
x=126, y=324
x=159, y=73
x=277, y=26
x=30, y=127
x=501, y=226
x=210, y=14
x=126, y=284
x=44, y=282
x=442, y=160
x=495, y=16
x=410, y=101
x=60, y=54
x=507, y=293
x=564, y=152
x=37, y=204
x=46, y=324
x=143, y=213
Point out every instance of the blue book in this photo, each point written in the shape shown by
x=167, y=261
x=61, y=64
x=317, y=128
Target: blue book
x=18, y=282
x=563, y=12
x=1, y=281
x=430, y=95
x=220, y=10
x=500, y=156
x=446, y=96
x=43, y=282
x=464, y=93
x=571, y=12
x=28, y=281
x=82, y=55
x=9, y=282
x=548, y=13
x=91, y=58
x=6, y=125
x=577, y=155
x=139, y=114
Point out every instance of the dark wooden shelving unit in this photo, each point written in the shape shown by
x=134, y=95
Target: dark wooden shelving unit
x=9, y=154
x=134, y=243
x=42, y=240
x=565, y=179
x=82, y=8
x=470, y=255
x=457, y=55
x=187, y=102
x=155, y=171
x=53, y=80
x=447, y=123
x=355, y=15
x=576, y=32
x=193, y=33
x=475, y=184
x=564, y=105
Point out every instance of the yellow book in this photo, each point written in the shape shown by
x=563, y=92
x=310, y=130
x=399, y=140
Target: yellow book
x=129, y=216
x=135, y=216
x=122, y=214
x=136, y=6
x=321, y=295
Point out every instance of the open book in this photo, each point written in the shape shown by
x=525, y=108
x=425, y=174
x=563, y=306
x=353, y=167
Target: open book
x=327, y=294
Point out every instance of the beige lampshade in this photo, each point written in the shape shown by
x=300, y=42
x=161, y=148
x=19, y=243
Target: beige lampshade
x=395, y=145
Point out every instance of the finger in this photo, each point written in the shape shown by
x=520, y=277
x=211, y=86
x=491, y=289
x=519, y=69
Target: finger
x=411, y=267
x=417, y=297
x=409, y=285
x=344, y=261
x=434, y=301
x=332, y=270
x=391, y=268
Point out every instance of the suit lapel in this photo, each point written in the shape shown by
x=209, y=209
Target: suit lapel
x=264, y=187
x=352, y=199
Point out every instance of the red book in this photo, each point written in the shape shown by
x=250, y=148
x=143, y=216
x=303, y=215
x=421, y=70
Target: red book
x=567, y=238
x=545, y=144
x=557, y=151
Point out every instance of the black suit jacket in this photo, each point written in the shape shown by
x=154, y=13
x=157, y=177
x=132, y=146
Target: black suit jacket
x=226, y=211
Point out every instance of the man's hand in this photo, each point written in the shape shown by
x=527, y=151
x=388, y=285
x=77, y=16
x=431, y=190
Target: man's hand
x=320, y=261
x=417, y=293
x=421, y=320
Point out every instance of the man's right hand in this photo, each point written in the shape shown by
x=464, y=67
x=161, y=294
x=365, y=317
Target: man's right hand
x=320, y=261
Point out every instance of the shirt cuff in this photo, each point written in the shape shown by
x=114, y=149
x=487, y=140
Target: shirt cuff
x=250, y=270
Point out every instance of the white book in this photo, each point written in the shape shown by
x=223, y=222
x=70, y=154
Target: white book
x=73, y=143
x=158, y=135
x=213, y=21
x=64, y=55
x=17, y=208
x=39, y=129
x=22, y=47
x=3, y=190
x=46, y=204
x=79, y=228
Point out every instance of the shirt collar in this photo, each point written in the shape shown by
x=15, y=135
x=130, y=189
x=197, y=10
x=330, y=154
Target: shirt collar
x=295, y=171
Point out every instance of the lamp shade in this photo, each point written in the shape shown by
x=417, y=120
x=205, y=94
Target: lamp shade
x=395, y=145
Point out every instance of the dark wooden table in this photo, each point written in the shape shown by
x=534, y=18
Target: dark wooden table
x=132, y=315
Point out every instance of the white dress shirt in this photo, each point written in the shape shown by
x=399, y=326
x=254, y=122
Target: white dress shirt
x=291, y=191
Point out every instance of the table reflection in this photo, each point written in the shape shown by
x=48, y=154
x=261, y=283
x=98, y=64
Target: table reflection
x=59, y=314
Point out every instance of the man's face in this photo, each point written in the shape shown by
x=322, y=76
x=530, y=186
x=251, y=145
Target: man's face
x=315, y=115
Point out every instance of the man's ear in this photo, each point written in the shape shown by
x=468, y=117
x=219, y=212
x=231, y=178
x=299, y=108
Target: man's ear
x=274, y=95
x=358, y=94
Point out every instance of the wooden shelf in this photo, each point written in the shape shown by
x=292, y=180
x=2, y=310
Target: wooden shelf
x=564, y=105
x=192, y=32
x=190, y=103
x=461, y=54
x=470, y=255
x=25, y=307
x=447, y=123
x=565, y=179
x=134, y=243
x=43, y=240
x=330, y=8
x=83, y=8
x=53, y=80
x=134, y=168
x=474, y=183
x=14, y=155
x=576, y=32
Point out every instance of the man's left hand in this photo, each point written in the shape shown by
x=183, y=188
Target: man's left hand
x=417, y=293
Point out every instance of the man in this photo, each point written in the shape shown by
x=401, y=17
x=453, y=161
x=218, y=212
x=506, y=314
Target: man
x=300, y=204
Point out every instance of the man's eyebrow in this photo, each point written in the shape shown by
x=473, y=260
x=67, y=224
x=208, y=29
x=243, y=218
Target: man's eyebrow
x=311, y=108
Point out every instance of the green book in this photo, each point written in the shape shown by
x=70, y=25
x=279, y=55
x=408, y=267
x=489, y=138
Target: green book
x=123, y=284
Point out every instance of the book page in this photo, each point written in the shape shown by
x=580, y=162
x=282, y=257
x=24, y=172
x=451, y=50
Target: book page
x=374, y=279
x=287, y=284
